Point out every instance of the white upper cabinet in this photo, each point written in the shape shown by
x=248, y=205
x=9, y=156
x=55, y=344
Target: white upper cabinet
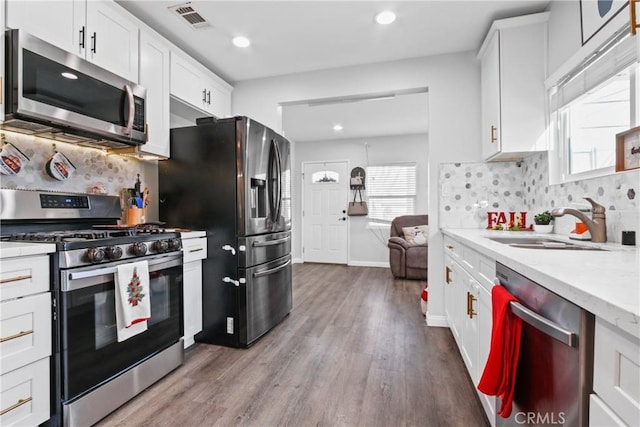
x=513, y=70
x=194, y=85
x=154, y=76
x=99, y=31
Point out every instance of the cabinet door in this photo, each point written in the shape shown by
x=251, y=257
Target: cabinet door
x=24, y=395
x=154, y=76
x=25, y=329
x=192, y=300
x=470, y=326
x=450, y=299
x=490, y=86
x=57, y=22
x=485, y=323
x=218, y=102
x=112, y=39
x=186, y=82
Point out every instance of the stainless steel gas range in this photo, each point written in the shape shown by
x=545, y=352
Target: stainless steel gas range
x=94, y=371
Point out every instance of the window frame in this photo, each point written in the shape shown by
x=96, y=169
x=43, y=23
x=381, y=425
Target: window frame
x=559, y=155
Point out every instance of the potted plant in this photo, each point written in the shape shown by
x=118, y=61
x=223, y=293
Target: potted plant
x=543, y=222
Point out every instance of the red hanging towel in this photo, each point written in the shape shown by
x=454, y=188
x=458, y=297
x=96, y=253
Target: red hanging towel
x=499, y=376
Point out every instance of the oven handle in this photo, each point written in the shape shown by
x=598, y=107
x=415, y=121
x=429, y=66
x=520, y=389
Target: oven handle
x=271, y=270
x=112, y=270
x=544, y=325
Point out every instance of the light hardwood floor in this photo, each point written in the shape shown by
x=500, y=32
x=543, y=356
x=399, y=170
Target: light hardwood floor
x=355, y=351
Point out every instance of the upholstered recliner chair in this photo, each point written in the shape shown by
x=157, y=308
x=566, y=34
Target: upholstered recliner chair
x=408, y=258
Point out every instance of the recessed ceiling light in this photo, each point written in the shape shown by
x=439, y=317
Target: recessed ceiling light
x=70, y=76
x=386, y=17
x=337, y=127
x=241, y=41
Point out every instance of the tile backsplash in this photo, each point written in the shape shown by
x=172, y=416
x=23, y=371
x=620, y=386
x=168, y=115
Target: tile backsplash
x=94, y=168
x=465, y=189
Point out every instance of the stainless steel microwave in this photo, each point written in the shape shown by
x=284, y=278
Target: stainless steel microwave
x=51, y=92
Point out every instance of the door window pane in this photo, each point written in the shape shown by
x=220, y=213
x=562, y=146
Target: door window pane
x=325, y=176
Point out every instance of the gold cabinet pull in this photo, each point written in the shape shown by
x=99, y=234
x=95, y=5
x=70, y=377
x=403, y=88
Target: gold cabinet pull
x=468, y=295
x=471, y=312
x=494, y=138
x=18, y=335
x=447, y=274
x=632, y=9
x=15, y=279
x=16, y=405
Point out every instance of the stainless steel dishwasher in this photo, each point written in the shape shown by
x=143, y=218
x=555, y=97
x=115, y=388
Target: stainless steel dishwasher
x=555, y=369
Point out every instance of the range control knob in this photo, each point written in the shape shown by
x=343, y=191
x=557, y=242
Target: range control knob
x=161, y=245
x=113, y=252
x=174, y=244
x=95, y=255
x=139, y=249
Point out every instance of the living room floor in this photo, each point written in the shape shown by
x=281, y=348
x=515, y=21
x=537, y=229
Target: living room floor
x=355, y=351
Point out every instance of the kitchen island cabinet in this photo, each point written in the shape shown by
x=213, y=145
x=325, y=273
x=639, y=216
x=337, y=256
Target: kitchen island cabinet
x=25, y=333
x=101, y=32
x=513, y=96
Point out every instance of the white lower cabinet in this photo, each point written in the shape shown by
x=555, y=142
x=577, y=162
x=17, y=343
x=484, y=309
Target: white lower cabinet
x=616, y=376
x=25, y=340
x=600, y=415
x=194, y=250
x=468, y=281
x=24, y=395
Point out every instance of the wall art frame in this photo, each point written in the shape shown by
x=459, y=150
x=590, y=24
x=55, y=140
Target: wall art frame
x=595, y=14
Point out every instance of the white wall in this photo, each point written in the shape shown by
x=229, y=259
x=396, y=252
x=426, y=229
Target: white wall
x=366, y=246
x=453, y=81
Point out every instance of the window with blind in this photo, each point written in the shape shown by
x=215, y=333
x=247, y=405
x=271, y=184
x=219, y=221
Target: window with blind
x=591, y=105
x=391, y=191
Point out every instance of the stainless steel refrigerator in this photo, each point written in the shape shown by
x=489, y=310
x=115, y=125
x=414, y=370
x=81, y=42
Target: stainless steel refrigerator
x=231, y=177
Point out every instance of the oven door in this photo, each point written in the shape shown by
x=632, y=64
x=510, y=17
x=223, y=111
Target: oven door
x=90, y=352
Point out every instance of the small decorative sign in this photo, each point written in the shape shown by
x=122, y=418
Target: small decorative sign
x=517, y=221
x=628, y=150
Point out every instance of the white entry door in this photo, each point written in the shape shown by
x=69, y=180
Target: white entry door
x=324, y=215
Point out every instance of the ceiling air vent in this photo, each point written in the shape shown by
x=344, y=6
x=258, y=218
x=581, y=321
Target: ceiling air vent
x=190, y=15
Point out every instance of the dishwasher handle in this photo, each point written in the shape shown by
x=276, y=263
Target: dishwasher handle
x=544, y=325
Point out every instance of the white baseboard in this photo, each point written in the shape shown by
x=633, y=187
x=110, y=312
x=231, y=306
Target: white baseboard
x=296, y=260
x=380, y=264
x=437, y=321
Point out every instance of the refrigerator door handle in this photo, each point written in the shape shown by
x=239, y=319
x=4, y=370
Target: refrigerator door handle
x=279, y=182
x=229, y=248
x=271, y=270
x=271, y=242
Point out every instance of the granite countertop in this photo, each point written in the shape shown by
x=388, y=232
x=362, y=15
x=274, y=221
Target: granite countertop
x=16, y=249
x=606, y=283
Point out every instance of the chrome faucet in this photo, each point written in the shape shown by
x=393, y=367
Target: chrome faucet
x=597, y=224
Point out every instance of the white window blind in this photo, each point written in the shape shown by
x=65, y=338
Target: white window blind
x=391, y=190
x=613, y=57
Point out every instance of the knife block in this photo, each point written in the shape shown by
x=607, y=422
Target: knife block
x=135, y=216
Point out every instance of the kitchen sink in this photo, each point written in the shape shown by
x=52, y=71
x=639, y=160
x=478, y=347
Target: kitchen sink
x=542, y=243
